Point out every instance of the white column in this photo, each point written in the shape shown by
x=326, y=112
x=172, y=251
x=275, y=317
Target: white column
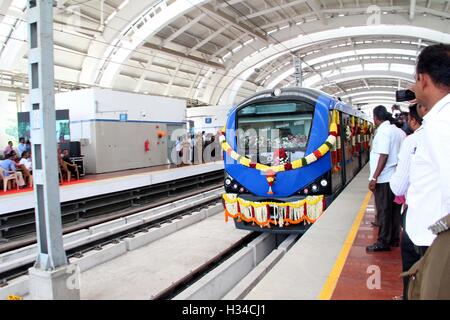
x=298, y=75
x=49, y=279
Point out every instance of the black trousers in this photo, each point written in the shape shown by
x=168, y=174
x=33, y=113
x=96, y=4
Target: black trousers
x=389, y=215
x=409, y=255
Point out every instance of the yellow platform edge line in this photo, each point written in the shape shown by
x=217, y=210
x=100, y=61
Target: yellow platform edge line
x=333, y=277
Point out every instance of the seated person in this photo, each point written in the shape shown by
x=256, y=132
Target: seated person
x=26, y=161
x=9, y=148
x=28, y=165
x=22, y=168
x=67, y=162
x=9, y=167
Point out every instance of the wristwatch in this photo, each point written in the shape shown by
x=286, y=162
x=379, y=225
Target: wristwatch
x=440, y=226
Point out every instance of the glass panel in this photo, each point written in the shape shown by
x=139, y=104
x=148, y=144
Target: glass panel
x=266, y=130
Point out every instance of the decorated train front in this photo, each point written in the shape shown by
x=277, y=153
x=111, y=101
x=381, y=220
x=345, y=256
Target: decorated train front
x=282, y=155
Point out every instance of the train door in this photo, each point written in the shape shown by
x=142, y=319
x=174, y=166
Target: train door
x=355, y=144
x=363, y=151
x=338, y=170
x=347, y=147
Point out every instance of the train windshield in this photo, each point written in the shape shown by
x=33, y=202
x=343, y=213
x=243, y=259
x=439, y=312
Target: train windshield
x=274, y=134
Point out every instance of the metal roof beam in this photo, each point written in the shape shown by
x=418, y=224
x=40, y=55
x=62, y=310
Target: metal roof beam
x=293, y=20
x=316, y=9
x=235, y=23
x=340, y=88
x=438, y=13
x=370, y=90
x=412, y=9
x=365, y=83
x=210, y=37
x=230, y=44
x=178, y=54
x=229, y=3
x=186, y=27
x=13, y=89
x=363, y=75
x=278, y=13
x=272, y=9
x=143, y=75
x=4, y=7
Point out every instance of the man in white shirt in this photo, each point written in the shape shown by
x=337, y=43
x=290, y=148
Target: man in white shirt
x=429, y=191
x=400, y=182
x=400, y=179
x=383, y=161
x=26, y=161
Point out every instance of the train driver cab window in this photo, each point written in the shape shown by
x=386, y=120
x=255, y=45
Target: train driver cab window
x=274, y=134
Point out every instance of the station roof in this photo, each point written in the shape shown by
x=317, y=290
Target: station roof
x=222, y=51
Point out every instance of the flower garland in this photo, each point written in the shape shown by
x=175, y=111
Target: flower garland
x=271, y=171
x=304, y=211
x=281, y=157
x=336, y=153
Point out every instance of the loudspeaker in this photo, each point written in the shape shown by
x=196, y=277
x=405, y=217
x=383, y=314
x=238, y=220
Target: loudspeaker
x=75, y=149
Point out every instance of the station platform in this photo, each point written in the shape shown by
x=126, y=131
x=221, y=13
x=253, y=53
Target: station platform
x=102, y=184
x=330, y=262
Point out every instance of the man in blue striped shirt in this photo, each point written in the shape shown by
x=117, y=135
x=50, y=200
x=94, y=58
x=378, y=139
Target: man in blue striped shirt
x=9, y=167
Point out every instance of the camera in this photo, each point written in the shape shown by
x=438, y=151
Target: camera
x=405, y=95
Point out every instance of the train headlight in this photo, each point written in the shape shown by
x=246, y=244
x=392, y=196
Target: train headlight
x=277, y=92
x=315, y=188
x=324, y=183
x=235, y=186
x=241, y=190
x=228, y=182
x=306, y=191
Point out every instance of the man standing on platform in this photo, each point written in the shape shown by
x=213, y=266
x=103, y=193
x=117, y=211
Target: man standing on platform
x=22, y=147
x=400, y=182
x=383, y=161
x=429, y=191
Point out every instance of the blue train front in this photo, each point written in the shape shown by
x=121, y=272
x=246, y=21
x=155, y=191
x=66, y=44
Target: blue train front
x=288, y=153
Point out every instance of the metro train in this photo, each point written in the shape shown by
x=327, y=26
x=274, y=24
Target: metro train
x=288, y=153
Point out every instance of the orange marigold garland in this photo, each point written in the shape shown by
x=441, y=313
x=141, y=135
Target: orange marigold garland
x=271, y=171
x=270, y=176
x=306, y=211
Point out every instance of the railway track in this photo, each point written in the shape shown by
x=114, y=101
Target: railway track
x=17, y=229
x=132, y=230
x=232, y=273
x=185, y=282
x=235, y=270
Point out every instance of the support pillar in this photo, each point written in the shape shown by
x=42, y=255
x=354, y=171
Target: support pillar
x=19, y=102
x=298, y=74
x=51, y=277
